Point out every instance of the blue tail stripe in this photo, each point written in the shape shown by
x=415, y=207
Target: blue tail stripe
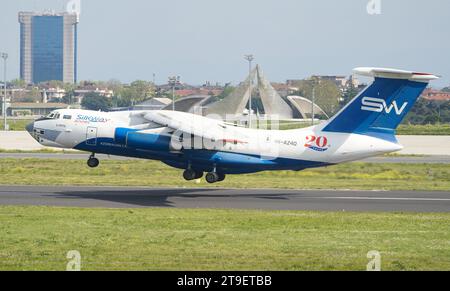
x=379, y=109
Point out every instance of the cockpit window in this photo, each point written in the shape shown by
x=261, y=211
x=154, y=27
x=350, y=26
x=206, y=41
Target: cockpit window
x=54, y=115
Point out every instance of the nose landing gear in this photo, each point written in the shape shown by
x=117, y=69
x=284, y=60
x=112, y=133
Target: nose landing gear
x=93, y=162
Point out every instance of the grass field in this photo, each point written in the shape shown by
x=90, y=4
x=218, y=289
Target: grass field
x=16, y=124
x=430, y=129
x=151, y=173
x=38, y=238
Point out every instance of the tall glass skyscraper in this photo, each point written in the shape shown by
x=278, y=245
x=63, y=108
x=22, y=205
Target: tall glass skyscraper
x=48, y=47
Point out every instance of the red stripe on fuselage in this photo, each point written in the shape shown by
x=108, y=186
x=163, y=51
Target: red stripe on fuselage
x=233, y=141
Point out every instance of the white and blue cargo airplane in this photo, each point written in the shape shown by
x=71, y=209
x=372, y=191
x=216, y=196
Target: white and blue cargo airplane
x=197, y=144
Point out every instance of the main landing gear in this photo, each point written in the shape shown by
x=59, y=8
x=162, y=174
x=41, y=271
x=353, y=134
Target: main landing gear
x=190, y=175
x=93, y=162
x=213, y=177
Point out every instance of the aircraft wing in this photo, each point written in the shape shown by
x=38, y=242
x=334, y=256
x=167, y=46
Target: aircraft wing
x=197, y=125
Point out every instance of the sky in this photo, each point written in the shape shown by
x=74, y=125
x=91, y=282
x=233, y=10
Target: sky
x=202, y=40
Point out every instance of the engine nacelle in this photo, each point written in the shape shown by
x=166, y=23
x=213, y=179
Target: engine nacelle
x=134, y=138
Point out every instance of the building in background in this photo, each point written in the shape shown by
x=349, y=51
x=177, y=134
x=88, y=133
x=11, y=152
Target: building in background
x=435, y=95
x=48, y=47
x=33, y=109
x=153, y=104
x=342, y=82
x=81, y=92
x=235, y=104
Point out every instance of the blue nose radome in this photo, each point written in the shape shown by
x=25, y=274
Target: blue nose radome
x=30, y=128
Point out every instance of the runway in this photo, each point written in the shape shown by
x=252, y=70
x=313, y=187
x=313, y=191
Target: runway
x=84, y=156
x=135, y=197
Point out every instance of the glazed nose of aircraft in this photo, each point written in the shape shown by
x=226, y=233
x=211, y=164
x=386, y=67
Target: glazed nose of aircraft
x=30, y=128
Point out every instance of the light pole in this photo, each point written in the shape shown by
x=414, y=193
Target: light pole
x=4, y=57
x=250, y=58
x=313, y=97
x=312, y=104
x=173, y=81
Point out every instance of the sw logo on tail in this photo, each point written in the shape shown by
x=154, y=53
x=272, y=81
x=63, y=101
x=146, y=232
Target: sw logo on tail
x=378, y=105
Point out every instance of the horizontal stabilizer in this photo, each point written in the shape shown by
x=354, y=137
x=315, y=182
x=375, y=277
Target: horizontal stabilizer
x=395, y=74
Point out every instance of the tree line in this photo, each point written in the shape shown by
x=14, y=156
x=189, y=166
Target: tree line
x=123, y=96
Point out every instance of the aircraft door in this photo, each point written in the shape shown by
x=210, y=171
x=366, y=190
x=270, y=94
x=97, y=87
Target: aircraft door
x=91, y=136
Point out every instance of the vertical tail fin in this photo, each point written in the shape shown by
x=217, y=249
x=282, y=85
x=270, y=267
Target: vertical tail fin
x=382, y=106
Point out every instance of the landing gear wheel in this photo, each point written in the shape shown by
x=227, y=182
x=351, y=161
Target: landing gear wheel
x=212, y=177
x=93, y=162
x=198, y=175
x=221, y=177
x=190, y=175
